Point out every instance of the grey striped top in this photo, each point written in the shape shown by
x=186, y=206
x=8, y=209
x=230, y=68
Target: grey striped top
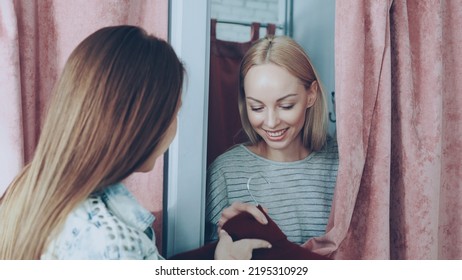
x=297, y=194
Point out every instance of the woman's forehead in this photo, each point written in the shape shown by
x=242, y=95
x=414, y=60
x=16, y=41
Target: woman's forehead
x=271, y=81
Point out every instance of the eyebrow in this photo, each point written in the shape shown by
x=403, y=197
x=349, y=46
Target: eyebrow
x=280, y=99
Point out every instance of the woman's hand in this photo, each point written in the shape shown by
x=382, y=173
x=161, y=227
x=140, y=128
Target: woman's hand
x=227, y=249
x=237, y=208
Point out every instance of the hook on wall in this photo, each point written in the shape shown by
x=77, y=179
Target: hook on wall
x=332, y=115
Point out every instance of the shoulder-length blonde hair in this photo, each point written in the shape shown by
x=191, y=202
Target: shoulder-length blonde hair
x=117, y=95
x=286, y=53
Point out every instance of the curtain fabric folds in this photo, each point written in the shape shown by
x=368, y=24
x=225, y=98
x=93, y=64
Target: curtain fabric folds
x=36, y=38
x=398, y=69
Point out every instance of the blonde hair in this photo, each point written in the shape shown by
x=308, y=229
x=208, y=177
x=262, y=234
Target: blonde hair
x=115, y=99
x=286, y=53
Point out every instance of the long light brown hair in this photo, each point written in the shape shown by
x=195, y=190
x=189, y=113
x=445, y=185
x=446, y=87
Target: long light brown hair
x=117, y=95
x=288, y=54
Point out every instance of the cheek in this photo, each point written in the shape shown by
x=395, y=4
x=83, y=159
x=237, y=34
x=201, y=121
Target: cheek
x=172, y=131
x=168, y=136
x=255, y=119
x=296, y=118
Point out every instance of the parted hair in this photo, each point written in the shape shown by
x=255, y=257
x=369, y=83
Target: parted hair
x=288, y=54
x=116, y=97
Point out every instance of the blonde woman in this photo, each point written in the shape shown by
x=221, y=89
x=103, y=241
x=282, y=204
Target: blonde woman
x=113, y=112
x=289, y=166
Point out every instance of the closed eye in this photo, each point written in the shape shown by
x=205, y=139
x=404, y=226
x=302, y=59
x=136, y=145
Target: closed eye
x=287, y=107
x=256, y=109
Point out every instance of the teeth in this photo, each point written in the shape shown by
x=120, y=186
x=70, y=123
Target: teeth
x=277, y=133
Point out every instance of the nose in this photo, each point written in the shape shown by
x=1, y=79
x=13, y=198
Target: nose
x=272, y=119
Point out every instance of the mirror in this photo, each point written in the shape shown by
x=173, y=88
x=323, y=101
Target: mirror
x=310, y=22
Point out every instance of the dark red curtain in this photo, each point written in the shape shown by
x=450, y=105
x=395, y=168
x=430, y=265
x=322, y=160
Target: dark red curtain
x=224, y=124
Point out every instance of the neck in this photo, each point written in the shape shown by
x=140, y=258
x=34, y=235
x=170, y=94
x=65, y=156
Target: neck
x=293, y=153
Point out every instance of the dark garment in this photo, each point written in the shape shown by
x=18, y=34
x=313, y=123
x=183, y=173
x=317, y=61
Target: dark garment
x=224, y=123
x=245, y=226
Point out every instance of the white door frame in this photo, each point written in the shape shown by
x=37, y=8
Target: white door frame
x=185, y=164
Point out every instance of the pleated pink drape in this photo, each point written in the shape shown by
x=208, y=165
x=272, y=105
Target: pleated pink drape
x=399, y=121
x=36, y=37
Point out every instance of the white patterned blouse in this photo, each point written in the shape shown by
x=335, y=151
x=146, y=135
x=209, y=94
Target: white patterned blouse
x=108, y=225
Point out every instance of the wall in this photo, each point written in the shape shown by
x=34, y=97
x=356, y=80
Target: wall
x=314, y=29
x=263, y=11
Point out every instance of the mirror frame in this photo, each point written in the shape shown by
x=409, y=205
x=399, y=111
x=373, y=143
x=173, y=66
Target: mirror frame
x=185, y=161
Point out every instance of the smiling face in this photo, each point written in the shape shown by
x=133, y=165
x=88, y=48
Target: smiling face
x=276, y=104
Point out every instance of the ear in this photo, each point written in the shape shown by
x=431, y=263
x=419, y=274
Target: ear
x=312, y=93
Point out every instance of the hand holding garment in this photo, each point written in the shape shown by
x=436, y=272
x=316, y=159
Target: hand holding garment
x=244, y=226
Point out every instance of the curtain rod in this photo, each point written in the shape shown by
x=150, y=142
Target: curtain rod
x=279, y=26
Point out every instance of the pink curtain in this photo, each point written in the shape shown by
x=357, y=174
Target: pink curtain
x=36, y=37
x=398, y=79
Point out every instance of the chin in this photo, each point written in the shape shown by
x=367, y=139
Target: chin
x=278, y=147
x=145, y=169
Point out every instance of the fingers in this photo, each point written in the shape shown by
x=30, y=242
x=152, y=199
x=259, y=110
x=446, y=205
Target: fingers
x=239, y=207
x=252, y=244
x=238, y=250
x=256, y=213
x=259, y=244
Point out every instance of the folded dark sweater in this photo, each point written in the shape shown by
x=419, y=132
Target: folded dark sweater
x=244, y=226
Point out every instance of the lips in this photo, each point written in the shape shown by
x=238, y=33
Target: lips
x=276, y=134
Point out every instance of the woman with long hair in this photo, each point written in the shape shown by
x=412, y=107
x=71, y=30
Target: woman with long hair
x=113, y=112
